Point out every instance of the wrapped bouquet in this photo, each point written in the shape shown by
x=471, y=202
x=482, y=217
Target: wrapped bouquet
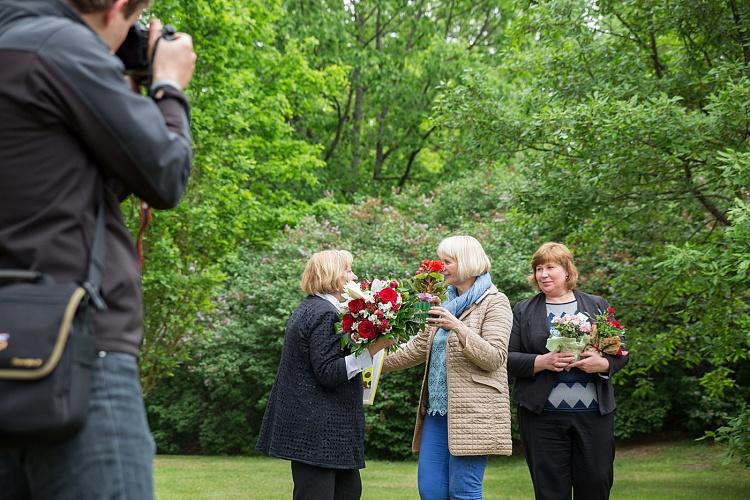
x=570, y=333
x=375, y=309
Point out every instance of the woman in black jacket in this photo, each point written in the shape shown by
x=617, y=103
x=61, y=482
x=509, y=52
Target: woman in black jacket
x=314, y=415
x=565, y=407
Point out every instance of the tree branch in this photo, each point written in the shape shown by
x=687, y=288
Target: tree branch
x=741, y=31
x=702, y=198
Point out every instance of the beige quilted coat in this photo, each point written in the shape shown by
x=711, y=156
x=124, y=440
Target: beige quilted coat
x=478, y=405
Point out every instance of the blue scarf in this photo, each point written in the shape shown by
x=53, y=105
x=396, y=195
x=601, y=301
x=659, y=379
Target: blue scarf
x=457, y=304
x=437, y=379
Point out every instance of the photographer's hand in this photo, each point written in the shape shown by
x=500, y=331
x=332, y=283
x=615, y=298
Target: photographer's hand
x=174, y=60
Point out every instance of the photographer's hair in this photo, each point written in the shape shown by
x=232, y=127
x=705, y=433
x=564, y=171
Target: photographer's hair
x=325, y=272
x=88, y=6
x=468, y=254
x=559, y=254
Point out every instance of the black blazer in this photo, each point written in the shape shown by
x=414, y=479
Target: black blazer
x=527, y=340
x=314, y=413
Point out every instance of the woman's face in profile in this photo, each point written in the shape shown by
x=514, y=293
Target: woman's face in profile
x=451, y=270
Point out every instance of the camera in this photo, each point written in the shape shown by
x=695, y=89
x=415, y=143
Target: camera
x=134, y=51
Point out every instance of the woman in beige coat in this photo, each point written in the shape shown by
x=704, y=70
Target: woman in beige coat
x=464, y=412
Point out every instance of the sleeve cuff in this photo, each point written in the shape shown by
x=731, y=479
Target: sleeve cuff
x=355, y=364
x=165, y=83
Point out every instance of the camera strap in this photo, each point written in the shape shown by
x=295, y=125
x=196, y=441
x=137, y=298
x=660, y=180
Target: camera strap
x=145, y=216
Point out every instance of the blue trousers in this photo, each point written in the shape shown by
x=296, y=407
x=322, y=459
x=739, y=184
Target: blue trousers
x=442, y=476
x=112, y=457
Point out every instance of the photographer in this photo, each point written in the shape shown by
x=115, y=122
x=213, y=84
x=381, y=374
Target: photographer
x=70, y=127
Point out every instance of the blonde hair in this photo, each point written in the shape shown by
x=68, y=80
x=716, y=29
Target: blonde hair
x=325, y=272
x=559, y=254
x=468, y=254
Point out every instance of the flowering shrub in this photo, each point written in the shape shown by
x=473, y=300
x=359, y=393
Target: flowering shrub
x=375, y=309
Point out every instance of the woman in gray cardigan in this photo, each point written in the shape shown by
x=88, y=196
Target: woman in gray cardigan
x=565, y=407
x=314, y=416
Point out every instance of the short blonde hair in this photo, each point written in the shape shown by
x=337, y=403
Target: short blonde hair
x=325, y=272
x=468, y=254
x=559, y=254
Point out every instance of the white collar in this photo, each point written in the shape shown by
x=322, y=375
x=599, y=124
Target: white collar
x=330, y=298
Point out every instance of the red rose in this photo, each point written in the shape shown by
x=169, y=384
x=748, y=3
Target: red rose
x=346, y=323
x=367, y=330
x=388, y=295
x=616, y=323
x=610, y=310
x=394, y=284
x=372, y=307
x=356, y=305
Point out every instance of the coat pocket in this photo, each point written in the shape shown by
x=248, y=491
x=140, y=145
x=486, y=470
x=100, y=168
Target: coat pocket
x=485, y=380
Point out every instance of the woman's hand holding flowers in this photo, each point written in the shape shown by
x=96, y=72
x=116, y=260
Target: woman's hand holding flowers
x=378, y=345
x=553, y=361
x=441, y=317
x=592, y=362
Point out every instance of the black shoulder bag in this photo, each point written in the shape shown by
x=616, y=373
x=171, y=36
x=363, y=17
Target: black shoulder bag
x=47, y=350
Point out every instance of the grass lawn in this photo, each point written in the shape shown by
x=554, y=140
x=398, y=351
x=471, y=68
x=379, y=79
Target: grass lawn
x=658, y=471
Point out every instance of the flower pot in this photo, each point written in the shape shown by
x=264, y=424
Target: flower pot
x=422, y=307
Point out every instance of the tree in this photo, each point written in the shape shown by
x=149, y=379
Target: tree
x=377, y=133
x=250, y=170
x=628, y=123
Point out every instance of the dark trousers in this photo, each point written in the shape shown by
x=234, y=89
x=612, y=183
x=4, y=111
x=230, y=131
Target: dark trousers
x=569, y=451
x=319, y=483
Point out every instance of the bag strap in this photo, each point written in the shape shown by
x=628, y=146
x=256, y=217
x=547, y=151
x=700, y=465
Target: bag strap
x=21, y=275
x=93, y=282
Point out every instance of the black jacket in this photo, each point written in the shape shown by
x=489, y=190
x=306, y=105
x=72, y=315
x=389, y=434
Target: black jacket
x=314, y=413
x=69, y=124
x=527, y=340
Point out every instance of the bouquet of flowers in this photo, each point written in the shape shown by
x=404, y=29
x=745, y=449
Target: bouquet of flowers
x=429, y=286
x=608, y=335
x=375, y=309
x=570, y=333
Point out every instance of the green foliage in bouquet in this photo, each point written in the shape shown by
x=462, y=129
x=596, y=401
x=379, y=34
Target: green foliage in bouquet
x=429, y=282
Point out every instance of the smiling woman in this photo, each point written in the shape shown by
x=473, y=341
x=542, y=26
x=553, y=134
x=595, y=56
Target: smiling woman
x=565, y=406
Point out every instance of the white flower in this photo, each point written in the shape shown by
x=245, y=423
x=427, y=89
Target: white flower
x=352, y=290
x=378, y=285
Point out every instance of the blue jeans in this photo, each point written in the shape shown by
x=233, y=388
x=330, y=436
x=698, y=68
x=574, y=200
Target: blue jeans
x=442, y=476
x=112, y=457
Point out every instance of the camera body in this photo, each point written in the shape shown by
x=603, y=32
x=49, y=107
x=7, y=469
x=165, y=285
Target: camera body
x=134, y=51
